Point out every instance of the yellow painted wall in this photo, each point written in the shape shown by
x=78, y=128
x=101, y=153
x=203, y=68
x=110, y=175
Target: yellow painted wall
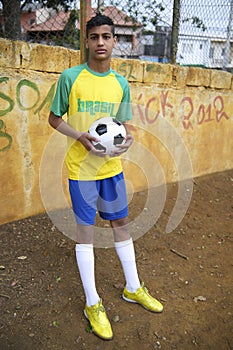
x=182, y=125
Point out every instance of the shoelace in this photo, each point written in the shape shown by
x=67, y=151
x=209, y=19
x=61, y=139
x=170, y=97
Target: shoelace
x=144, y=288
x=99, y=308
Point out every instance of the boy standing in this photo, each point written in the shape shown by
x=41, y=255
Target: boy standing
x=86, y=93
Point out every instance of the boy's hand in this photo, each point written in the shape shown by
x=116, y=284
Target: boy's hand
x=120, y=149
x=86, y=139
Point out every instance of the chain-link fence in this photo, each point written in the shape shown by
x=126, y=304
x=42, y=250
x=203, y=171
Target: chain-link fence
x=188, y=32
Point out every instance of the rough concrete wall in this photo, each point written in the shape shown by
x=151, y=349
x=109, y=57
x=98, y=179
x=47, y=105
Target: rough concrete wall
x=182, y=125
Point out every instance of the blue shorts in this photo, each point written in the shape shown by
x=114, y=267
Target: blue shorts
x=107, y=196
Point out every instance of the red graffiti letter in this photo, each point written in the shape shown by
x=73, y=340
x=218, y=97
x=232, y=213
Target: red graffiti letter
x=219, y=112
x=201, y=114
x=164, y=102
x=186, y=122
x=150, y=121
x=141, y=115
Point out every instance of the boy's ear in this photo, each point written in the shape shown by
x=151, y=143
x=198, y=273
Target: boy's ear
x=114, y=41
x=86, y=43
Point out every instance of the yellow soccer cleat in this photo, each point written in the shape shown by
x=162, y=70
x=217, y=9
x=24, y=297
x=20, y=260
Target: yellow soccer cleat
x=99, y=321
x=142, y=297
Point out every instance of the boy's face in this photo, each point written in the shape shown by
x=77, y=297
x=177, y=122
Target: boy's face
x=100, y=42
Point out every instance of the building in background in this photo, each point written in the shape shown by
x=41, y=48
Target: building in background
x=128, y=32
x=47, y=26
x=157, y=45
x=204, y=51
x=195, y=46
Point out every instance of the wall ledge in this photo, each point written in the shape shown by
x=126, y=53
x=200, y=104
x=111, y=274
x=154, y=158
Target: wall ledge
x=20, y=54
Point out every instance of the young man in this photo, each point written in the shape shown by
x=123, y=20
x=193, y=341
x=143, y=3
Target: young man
x=86, y=93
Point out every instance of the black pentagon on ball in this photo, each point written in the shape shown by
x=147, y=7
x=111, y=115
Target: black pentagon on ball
x=101, y=129
x=100, y=147
x=118, y=139
x=116, y=121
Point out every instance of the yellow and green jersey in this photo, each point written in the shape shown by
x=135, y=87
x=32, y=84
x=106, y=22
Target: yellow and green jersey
x=86, y=96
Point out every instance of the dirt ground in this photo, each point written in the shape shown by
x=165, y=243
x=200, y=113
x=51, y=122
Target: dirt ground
x=189, y=270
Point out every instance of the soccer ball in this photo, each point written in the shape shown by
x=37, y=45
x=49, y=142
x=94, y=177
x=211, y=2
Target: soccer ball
x=110, y=132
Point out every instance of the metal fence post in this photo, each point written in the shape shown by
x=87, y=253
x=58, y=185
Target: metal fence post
x=175, y=30
x=227, y=50
x=85, y=14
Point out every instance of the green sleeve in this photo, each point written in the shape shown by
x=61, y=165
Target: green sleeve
x=125, y=109
x=60, y=103
x=61, y=99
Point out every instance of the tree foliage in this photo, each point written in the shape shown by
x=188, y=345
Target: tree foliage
x=147, y=12
x=11, y=19
x=55, y=4
x=71, y=35
x=196, y=21
x=11, y=10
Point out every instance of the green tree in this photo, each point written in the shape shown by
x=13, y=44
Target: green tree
x=150, y=12
x=144, y=12
x=11, y=17
x=71, y=35
x=11, y=10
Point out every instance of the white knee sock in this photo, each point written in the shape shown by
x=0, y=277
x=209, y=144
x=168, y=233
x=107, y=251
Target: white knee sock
x=86, y=265
x=126, y=254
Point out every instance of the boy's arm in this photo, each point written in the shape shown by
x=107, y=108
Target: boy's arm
x=84, y=137
x=60, y=125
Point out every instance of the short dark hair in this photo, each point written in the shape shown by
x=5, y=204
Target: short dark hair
x=99, y=20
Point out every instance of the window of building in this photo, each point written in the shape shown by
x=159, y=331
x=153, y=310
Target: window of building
x=125, y=38
x=187, y=48
x=211, y=52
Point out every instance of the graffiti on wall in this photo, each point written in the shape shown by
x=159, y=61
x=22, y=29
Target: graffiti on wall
x=34, y=105
x=190, y=113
